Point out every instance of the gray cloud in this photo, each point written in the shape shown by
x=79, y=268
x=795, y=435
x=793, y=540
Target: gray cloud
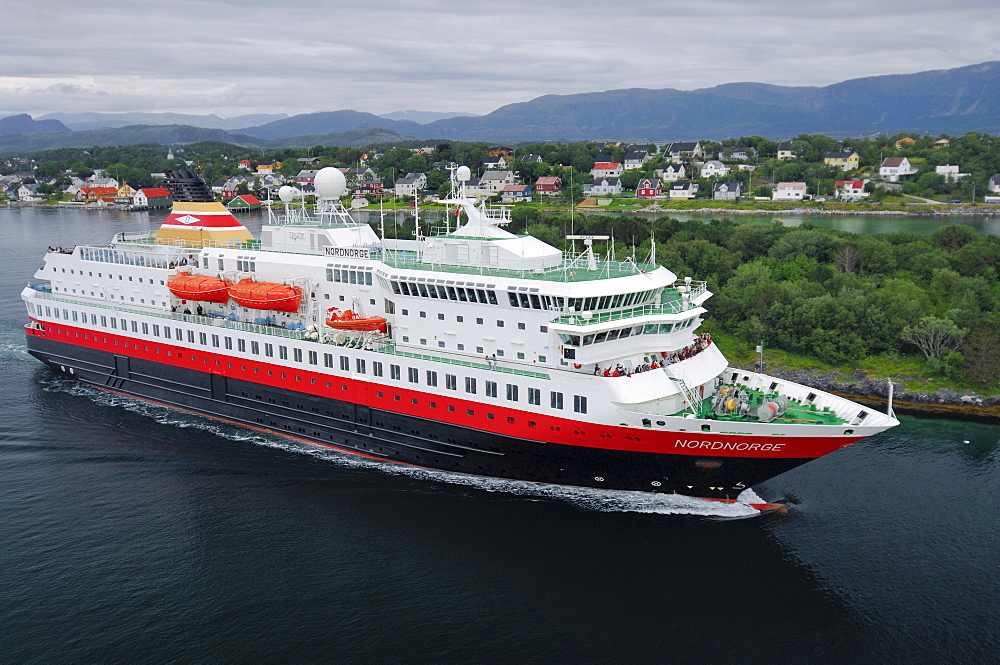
x=251, y=56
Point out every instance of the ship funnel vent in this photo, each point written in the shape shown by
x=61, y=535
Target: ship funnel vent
x=186, y=185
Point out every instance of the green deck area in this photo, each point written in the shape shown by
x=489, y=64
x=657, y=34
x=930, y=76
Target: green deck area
x=567, y=271
x=798, y=412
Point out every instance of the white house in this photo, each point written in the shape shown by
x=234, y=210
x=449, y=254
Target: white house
x=671, y=172
x=895, y=168
x=636, y=159
x=994, y=184
x=789, y=191
x=949, y=172
x=727, y=191
x=495, y=163
x=684, y=150
x=713, y=168
x=849, y=190
x=682, y=189
x=410, y=184
x=493, y=182
x=606, y=169
x=605, y=186
x=785, y=150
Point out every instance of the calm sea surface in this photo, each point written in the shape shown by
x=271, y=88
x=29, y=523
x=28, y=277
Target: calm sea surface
x=131, y=533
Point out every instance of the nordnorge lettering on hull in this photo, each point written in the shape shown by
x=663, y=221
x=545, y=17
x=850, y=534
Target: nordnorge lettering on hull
x=475, y=350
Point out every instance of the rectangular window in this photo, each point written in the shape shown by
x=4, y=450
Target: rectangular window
x=345, y=363
x=255, y=348
x=580, y=403
x=202, y=338
x=156, y=328
x=360, y=365
x=241, y=345
x=470, y=384
x=228, y=343
x=215, y=341
x=451, y=382
x=297, y=355
x=534, y=396
x=394, y=372
x=432, y=378
x=178, y=333
x=511, y=392
x=145, y=328
x=377, y=368
x=412, y=374
x=328, y=360
x=556, y=400
x=283, y=352
x=313, y=358
x=268, y=350
x=491, y=388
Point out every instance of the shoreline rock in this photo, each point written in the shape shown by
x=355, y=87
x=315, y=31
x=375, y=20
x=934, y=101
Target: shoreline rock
x=875, y=393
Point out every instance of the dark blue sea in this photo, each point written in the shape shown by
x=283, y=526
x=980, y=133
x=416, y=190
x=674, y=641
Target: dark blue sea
x=131, y=533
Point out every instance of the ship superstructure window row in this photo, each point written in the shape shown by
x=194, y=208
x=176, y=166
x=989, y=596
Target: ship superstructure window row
x=349, y=275
x=622, y=333
x=445, y=290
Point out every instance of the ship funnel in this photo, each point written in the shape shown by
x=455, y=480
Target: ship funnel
x=197, y=219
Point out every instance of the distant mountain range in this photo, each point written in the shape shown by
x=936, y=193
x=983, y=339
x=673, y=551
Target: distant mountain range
x=87, y=121
x=943, y=101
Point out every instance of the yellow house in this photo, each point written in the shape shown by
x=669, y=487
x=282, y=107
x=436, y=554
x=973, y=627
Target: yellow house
x=905, y=142
x=847, y=161
x=126, y=191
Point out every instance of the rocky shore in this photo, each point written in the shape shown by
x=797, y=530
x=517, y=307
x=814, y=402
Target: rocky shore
x=875, y=393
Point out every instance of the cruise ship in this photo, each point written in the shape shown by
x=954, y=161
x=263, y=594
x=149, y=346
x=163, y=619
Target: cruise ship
x=465, y=348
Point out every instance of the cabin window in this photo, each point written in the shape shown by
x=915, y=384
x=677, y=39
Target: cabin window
x=297, y=355
x=345, y=363
x=556, y=400
x=377, y=368
x=215, y=341
x=470, y=384
x=255, y=348
x=268, y=350
x=511, y=392
x=432, y=378
x=313, y=358
x=412, y=374
x=394, y=372
x=491, y=388
x=360, y=365
x=283, y=352
x=202, y=338
x=580, y=403
x=451, y=382
x=534, y=396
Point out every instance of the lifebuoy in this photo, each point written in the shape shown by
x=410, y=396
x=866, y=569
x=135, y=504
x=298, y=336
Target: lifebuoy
x=577, y=365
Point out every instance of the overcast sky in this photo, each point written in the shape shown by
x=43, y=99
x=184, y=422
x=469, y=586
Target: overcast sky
x=255, y=56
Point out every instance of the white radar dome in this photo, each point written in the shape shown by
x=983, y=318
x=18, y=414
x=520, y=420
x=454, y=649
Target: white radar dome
x=286, y=193
x=463, y=173
x=330, y=183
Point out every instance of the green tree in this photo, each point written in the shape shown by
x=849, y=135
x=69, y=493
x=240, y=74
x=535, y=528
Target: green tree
x=935, y=337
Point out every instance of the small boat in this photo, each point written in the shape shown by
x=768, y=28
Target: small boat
x=266, y=295
x=348, y=320
x=200, y=287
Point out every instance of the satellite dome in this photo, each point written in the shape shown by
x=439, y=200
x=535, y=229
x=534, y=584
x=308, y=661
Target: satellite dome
x=330, y=183
x=463, y=173
x=286, y=193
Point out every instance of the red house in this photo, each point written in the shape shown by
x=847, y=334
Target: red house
x=549, y=184
x=649, y=188
x=97, y=194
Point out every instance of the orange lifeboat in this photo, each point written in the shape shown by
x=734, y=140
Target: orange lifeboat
x=199, y=287
x=266, y=295
x=348, y=320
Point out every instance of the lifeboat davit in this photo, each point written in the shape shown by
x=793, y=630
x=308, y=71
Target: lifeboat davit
x=266, y=295
x=200, y=287
x=348, y=320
